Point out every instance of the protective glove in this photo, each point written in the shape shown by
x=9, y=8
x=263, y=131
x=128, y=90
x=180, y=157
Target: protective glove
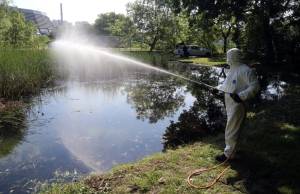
x=236, y=98
x=217, y=94
x=215, y=91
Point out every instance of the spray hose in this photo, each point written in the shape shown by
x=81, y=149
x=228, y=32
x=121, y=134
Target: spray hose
x=200, y=171
x=202, y=84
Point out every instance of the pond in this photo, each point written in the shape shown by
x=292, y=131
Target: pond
x=83, y=126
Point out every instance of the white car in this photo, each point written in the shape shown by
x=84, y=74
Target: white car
x=193, y=50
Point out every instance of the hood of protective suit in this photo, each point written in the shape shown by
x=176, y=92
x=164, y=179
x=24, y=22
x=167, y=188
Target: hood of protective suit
x=234, y=57
x=240, y=79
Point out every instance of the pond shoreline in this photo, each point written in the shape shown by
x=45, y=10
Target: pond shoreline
x=12, y=117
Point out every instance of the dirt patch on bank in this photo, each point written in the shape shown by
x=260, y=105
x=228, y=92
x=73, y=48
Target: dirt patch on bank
x=6, y=105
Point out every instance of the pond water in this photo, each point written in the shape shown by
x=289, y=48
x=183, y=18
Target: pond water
x=81, y=127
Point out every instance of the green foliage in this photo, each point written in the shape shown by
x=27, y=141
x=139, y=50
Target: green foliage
x=181, y=31
x=157, y=25
x=15, y=31
x=24, y=71
x=40, y=42
x=202, y=32
x=67, y=189
x=112, y=24
x=125, y=29
x=267, y=30
x=104, y=22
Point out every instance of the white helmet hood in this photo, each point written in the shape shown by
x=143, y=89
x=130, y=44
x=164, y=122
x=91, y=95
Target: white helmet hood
x=234, y=57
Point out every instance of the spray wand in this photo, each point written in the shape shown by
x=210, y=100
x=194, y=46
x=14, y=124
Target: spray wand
x=199, y=83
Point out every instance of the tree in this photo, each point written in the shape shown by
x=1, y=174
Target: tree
x=83, y=27
x=125, y=29
x=202, y=31
x=224, y=27
x=268, y=26
x=154, y=20
x=112, y=24
x=210, y=20
x=15, y=35
x=4, y=23
x=105, y=21
x=265, y=29
x=15, y=31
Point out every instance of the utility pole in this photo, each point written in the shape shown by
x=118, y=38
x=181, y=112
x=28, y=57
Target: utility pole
x=61, y=13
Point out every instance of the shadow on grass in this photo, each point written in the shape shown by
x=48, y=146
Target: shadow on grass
x=270, y=148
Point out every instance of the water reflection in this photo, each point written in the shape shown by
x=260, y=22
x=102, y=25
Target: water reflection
x=12, y=128
x=204, y=117
x=106, y=125
x=154, y=99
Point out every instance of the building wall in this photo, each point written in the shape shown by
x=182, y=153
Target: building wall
x=40, y=19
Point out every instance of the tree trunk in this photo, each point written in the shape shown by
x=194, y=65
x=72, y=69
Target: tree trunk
x=225, y=37
x=225, y=44
x=268, y=35
x=268, y=41
x=153, y=44
x=236, y=36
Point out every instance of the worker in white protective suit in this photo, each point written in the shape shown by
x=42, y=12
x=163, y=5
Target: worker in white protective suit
x=240, y=85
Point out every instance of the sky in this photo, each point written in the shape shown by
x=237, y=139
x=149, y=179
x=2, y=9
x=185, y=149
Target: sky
x=74, y=10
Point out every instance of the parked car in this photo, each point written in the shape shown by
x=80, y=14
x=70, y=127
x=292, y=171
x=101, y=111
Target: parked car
x=193, y=50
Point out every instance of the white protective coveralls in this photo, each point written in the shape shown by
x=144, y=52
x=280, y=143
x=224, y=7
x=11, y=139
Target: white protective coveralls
x=242, y=81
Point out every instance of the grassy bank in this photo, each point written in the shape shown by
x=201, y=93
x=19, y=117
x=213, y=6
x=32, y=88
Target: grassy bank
x=267, y=161
x=204, y=60
x=23, y=72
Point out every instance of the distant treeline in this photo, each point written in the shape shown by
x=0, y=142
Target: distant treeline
x=267, y=31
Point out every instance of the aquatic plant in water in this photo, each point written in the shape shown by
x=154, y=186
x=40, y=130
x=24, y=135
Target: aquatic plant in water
x=24, y=71
x=12, y=126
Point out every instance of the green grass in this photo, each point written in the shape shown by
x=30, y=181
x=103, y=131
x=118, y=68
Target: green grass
x=133, y=49
x=24, y=71
x=152, y=58
x=163, y=173
x=204, y=60
x=268, y=160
